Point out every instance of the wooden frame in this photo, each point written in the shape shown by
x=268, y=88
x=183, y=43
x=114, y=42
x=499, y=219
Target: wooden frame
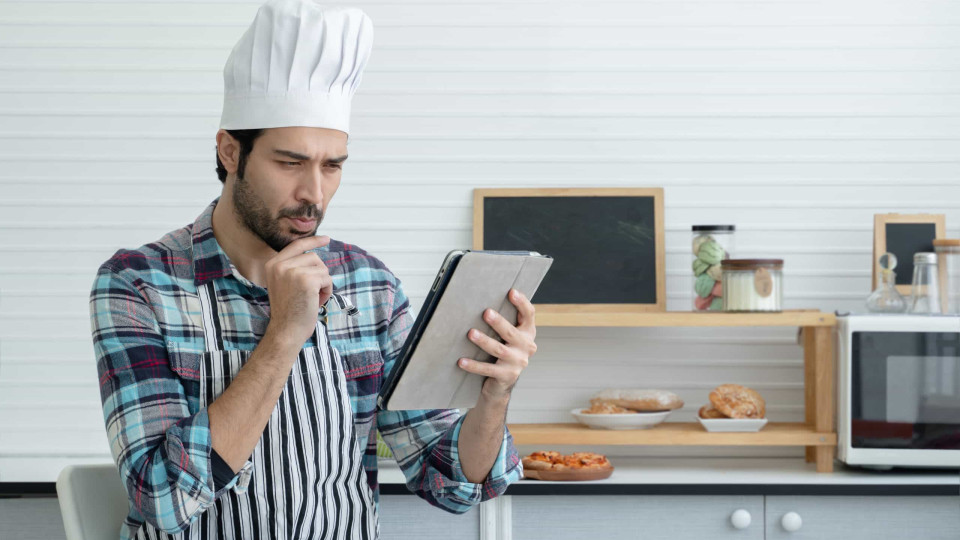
x=660, y=305
x=880, y=222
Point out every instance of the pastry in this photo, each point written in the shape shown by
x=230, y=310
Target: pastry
x=702, y=304
x=704, y=285
x=699, y=267
x=555, y=461
x=711, y=253
x=737, y=401
x=639, y=400
x=542, y=461
x=606, y=408
x=709, y=411
x=699, y=241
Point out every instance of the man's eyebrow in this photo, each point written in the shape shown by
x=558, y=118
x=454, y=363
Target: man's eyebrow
x=301, y=157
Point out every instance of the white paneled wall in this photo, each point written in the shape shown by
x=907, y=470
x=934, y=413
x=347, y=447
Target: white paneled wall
x=794, y=120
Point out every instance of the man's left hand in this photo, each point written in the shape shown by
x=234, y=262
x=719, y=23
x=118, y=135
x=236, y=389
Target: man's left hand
x=512, y=355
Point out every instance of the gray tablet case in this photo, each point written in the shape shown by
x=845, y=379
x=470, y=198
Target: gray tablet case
x=431, y=378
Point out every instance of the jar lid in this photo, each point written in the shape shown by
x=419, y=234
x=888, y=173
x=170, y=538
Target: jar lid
x=750, y=264
x=713, y=228
x=924, y=257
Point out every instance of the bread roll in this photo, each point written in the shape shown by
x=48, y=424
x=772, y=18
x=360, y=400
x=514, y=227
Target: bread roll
x=639, y=400
x=738, y=401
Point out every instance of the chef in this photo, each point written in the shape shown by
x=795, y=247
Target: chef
x=240, y=356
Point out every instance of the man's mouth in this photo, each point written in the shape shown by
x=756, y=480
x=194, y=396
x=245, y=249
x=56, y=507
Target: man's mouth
x=302, y=225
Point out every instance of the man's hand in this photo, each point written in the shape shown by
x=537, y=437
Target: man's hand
x=512, y=356
x=298, y=284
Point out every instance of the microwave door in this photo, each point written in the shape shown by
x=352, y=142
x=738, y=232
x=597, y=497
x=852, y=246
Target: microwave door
x=905, y=391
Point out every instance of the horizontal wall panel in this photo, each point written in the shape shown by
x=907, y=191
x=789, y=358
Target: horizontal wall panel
x=795, y=120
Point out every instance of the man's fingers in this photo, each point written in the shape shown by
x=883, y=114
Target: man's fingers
x=300, y=245
x=480, y=368
x=304, y=259
x=526, y=313
x=316, y=276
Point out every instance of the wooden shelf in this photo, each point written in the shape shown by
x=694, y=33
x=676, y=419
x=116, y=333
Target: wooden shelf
x=547, y=316
x=817, y=434
x=671, y=434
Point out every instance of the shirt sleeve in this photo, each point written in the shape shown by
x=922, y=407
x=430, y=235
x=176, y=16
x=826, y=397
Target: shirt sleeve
x=425, y=442
x=163, y=452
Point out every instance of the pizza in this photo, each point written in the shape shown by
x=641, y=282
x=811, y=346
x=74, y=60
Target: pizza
x=555, y=461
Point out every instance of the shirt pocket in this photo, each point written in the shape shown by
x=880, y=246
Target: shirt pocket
x=187, y=365
x=363, y=371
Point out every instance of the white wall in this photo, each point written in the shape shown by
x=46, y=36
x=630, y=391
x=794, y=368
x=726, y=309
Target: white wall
x=795, y=120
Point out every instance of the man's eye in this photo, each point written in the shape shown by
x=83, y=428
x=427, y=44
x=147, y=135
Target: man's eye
x=333, y=165
x=290, y=163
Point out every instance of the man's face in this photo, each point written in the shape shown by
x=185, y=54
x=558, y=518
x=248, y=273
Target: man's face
x=291, y=172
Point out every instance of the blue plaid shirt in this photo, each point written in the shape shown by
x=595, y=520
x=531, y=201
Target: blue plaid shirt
x=145, y=319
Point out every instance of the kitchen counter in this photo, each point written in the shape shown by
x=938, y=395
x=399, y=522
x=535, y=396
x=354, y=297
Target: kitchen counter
x=727, y=476
x=689, y=476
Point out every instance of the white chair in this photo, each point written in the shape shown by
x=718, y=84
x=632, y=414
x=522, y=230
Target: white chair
x=93, y=502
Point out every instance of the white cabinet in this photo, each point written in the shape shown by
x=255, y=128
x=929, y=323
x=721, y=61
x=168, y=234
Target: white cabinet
x=862, y=518
x=614, y=517
x=410, y=517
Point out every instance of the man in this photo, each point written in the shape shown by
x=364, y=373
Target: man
x=239, y=401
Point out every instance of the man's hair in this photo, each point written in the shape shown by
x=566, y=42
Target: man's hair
x=246, y=138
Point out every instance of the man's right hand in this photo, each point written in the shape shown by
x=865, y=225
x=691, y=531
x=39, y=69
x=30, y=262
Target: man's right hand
x=298, y=283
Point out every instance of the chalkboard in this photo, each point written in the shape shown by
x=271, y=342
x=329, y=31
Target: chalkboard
x=607, y=249
x=905, y=239
x=904, y=235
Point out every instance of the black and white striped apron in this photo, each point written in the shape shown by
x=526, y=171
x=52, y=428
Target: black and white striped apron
x=308, y=480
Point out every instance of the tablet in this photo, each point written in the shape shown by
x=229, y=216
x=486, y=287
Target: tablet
x=427, y=375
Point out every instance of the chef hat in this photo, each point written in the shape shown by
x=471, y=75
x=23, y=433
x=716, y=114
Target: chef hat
x=297, y=65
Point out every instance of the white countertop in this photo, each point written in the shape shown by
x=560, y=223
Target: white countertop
x=737, y=471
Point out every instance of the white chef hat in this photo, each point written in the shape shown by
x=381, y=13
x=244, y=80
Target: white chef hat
x=297, y=65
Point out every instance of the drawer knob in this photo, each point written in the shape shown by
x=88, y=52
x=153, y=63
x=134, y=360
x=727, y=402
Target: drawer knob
x=740, y=519
x=791, y=522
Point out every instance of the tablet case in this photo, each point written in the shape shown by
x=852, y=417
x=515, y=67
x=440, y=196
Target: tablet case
x=432, y=379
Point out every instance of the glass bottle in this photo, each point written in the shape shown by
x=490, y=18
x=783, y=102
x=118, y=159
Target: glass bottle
x=886, y=299
x=925, y=290
x=948, y=262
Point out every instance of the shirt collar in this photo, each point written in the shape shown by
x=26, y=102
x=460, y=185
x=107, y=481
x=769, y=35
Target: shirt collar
x=209, y=260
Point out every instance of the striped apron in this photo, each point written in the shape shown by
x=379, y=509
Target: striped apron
x=308, y=480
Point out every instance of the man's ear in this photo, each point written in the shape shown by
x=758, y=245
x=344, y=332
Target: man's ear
x=229, y=151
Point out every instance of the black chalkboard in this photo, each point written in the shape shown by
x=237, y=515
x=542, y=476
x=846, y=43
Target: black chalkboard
x=905, y=239
x=603, y=248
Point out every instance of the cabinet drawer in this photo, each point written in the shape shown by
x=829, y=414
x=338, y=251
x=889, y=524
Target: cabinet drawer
x=610, y=517
x=410, y=517
x=865, y=518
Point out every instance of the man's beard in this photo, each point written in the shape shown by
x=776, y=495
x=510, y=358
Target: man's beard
x=252, y=212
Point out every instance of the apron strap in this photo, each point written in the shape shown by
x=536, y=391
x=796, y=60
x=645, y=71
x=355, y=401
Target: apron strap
x=212, y=333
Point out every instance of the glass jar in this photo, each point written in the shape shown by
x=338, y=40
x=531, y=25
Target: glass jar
x=752, y=284
x=711, y=244
x=925, y=289
x=948, y=265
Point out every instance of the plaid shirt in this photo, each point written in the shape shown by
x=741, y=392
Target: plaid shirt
x=145, y=319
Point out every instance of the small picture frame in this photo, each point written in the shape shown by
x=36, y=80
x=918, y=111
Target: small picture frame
x=903, y=235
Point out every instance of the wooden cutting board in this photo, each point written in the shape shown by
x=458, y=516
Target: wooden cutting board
x=570, y=475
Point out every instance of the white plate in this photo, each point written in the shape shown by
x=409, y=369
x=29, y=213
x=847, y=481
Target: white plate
x=639, y=420
x=732, y=424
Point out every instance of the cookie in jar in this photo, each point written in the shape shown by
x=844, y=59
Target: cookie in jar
x=711, y=244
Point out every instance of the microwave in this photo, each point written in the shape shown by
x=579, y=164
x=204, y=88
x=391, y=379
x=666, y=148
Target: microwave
x=898, y=390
